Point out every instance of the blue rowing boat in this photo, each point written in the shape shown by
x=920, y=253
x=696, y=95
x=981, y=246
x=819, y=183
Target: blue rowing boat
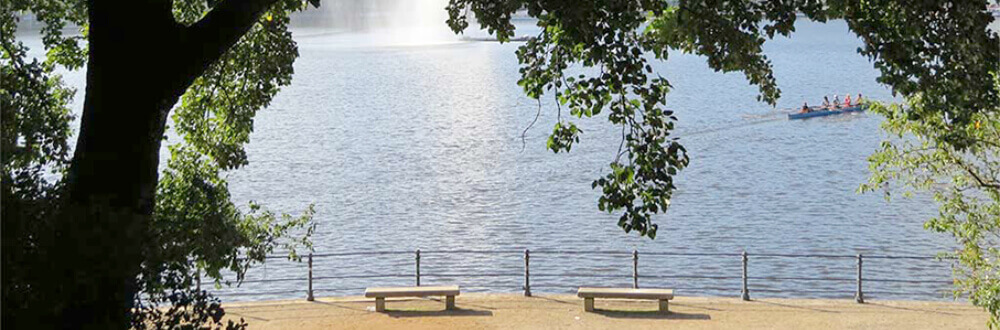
x=821, y=112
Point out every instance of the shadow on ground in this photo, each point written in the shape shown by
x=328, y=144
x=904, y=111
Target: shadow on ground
x=339, y=305
x=455, y=312
x=808, y=308
x=922, y=310
x=652, y=315
x=561, y=301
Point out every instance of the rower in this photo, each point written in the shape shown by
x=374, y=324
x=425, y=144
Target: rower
x=858, y=101
x=836, y=100
x=847, y=100
x=826, y=102
x=805, y=107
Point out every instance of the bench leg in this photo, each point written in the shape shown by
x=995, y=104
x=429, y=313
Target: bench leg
x=588, y=304
x=663, y=306
x=380, y=304
x=449, y=303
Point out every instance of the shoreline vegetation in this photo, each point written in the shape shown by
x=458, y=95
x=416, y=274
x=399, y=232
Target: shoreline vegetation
x=514, y=311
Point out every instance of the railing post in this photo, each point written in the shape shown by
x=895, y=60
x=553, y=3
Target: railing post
x=860, y=295
x=418, y=267
x=635, y=269
x=309, y=294
x=745, y=295
x=527, y=272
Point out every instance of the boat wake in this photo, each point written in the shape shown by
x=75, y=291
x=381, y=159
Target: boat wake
x=750, y=120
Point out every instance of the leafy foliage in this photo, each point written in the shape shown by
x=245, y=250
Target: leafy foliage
x=939, y=50
x=963, y=179
x=945, y=138
x=611, y=40
x=34, y=117
x=216, y=114
x=195, y=227
x=215, y=118
x=184, y=309
x=34, y=101
x=198, y=229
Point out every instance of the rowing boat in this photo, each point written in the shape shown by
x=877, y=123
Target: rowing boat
x=820, y=112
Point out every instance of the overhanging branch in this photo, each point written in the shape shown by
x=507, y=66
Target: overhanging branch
x=220, y=29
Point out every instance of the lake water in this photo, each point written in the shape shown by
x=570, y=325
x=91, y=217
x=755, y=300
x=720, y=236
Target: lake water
x=416, y=142
x=404, y=146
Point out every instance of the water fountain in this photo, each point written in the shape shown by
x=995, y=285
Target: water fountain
x=379, y=22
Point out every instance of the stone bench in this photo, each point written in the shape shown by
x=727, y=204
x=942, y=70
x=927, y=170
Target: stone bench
x=413, y=291
x=588, y=295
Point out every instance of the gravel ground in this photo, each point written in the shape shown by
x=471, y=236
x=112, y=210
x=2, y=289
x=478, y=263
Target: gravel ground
x=512, y=311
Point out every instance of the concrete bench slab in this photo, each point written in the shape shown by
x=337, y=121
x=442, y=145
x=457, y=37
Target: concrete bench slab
x=588, y=295
x=412, y=291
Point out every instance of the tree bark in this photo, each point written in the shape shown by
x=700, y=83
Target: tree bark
x=111, y=182
x=140, y=62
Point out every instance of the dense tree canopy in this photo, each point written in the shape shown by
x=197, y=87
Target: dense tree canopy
x=111, y=230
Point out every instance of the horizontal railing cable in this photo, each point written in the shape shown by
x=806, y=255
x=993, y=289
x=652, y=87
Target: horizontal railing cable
x=339, y=289
x=691, y=277
x=691, y=254
x=908, y=281
x=266, y=280
x=577, y=275
x=786, y=255
x=469, y=275
x=338, y=277
x=614, y=252
x=254, y=293
x=471, y=251
x=910, y=257
x=782, y=278
x=601, y=275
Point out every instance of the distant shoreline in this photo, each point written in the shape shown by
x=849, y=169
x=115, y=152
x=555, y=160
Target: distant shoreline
x=494, y=39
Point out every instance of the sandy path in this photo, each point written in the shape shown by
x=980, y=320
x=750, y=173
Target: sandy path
x=513, y=311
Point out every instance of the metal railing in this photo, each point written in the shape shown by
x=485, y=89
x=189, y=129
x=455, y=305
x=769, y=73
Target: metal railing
x=744, y=257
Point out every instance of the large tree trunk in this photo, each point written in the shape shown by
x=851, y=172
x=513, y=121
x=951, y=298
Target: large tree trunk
x=132, y=83
x=140, y=62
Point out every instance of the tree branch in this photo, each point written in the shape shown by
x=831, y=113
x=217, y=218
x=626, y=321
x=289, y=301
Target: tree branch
x=220, y=29
x=982, y=183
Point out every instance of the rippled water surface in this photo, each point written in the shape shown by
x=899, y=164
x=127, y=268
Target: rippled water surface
x=418, y=145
